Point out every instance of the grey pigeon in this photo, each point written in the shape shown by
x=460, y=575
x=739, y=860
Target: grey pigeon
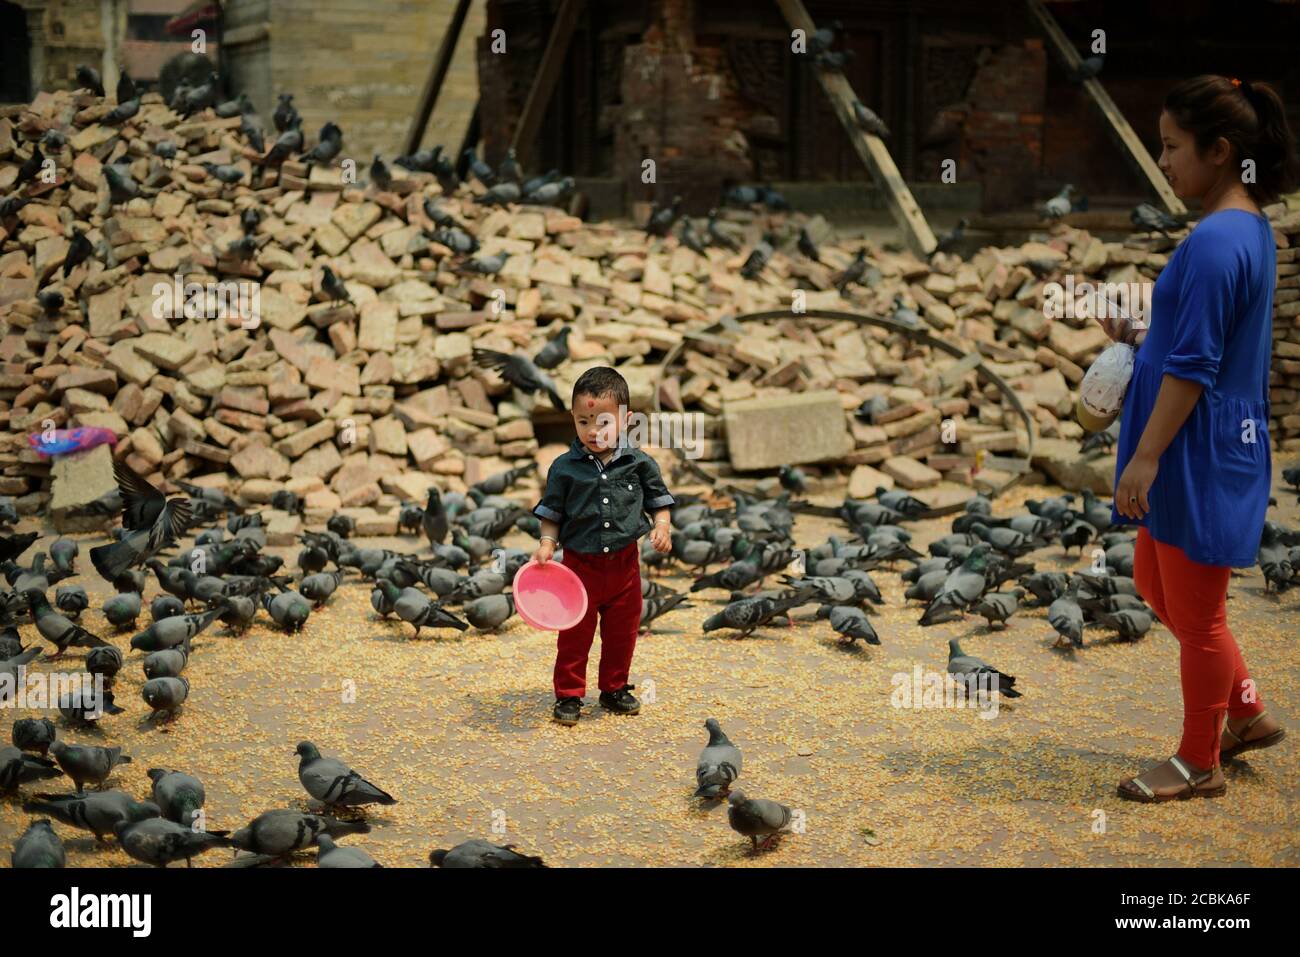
x=56, y=629
x=165, y=695
x=34, y=734
x=166, y=663
x=963, y=586
x=333, y=856
x=158, y=841
x=281, y=832
x=1131, y=625
x=39, y=847
x=334, y=783
x=852, y=623
x=87, y=762
x=968, y=666
x=123, y=609
x=97, y=811
x=173, y=632
x=415, y=608
x=480, y=853
x=490, y=611
x=1066, y=617
x=756, y=817
x=153, y=522
x=520, y=372
x=178, y=795
x=719, y=763
x=288, y=609
x=996, y=607
x=17, y=767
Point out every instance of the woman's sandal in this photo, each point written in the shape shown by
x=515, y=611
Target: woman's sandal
x=1241, y=744
x=1135, y=789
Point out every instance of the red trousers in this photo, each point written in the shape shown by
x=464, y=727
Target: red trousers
x=1189, y=598
x=613, y=584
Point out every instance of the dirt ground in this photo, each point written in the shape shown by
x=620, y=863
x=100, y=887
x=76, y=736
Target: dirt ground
x=458, y=728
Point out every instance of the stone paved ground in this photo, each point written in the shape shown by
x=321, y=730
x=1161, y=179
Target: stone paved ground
x=458, y=728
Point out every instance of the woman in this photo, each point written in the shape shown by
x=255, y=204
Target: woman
x=1194, y=466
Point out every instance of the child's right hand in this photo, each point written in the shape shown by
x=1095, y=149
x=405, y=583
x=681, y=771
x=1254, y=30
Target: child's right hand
x=544, y=552
x=1121, y=330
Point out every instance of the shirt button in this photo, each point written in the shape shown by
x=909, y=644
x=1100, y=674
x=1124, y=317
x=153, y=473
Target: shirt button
x=607, y=524
x=605, y=500
x=603, y=475
x=607, y=547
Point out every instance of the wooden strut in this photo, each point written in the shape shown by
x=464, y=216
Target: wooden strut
x=1115, y=121
x=548, y=74
x=1017, y=465
x=433, y=85
x=870, y=149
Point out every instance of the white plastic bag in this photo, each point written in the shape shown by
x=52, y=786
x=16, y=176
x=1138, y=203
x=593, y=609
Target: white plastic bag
x=1101, y=393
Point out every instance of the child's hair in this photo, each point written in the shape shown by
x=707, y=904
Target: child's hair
x=600, y=381
x=1250, y=116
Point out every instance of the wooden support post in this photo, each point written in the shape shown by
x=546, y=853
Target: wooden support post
x=870, y=149
x=1115, y=121
x=433, y=85
x=530, y=121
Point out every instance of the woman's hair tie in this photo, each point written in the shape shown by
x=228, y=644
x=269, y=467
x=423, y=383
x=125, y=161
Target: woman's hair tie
x=1234, y=81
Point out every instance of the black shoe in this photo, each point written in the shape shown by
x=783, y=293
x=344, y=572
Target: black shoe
x=621, y=701
x=567, y=710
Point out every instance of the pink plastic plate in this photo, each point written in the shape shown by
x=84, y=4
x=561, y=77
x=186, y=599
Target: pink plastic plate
x=549, y=597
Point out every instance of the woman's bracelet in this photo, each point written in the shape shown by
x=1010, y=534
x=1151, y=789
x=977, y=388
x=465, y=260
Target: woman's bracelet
x=547, y=538
x=663, y=521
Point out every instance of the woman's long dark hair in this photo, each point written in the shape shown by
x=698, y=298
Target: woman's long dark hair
x=1251, y=117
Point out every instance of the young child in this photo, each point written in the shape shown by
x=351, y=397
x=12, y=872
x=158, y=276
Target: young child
x=596, y=497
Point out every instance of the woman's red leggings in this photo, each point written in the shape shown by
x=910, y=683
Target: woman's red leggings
x=1190, y=598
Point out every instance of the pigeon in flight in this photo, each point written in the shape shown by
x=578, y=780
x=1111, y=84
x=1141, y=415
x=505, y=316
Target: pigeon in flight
x=152, y=520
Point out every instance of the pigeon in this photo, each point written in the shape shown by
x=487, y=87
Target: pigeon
x=285, y=113
x=414, y=608
x=997, y=607
x=379, y=174
x=502, y=194
x=758, y=257
x=38, y=847
x=490, y=611
x=79, y=250
x=867, y=119
x=719, y=236
x=520, y=372
x=807, y=246
x=321, y=586
x=166, y=663
x=852, y=273
x=1066, y=617
x=165, y=695
x=968, y=667
x=555, y=351
x=1061, y=204
x=175, y=631
x=179, y=796
x=159, y=842
x=233, y=108
x=34, y=734
x=756, y=817
x=98, y=811
x=122, y=112
x=661, y=221
x=56, y=629
x=333, y=783
x=13, y=205
x=285, y=145
x=85, y=762
x=154, y=522
x=1131, y=624
x=963, y=586
x=288, y=609
x=51, y=301
x=165, y=149
x=719, y=763
x=122, y=187
x=165, y=606
x=281, y=832
x=333, y=856
x=950, y=241
x=486, y=265
x=224, y=173
x=460, y=242
x=88, y=78
x=852, y=623
x=480, y=170
x=251, y=127
x=328, y=145
x=79, y=708
x=1153, y=219
x=1088, y=68
x=72, y=599
x=750, y=613
x=480, y=853
x=654, y=607
x=690, y=238
x=333, y=287
x=105, y=661
x=18, y=768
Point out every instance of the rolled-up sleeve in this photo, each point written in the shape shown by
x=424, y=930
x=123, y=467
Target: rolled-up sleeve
x=1206, y=303
x=654, y=493
x=551, y=507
